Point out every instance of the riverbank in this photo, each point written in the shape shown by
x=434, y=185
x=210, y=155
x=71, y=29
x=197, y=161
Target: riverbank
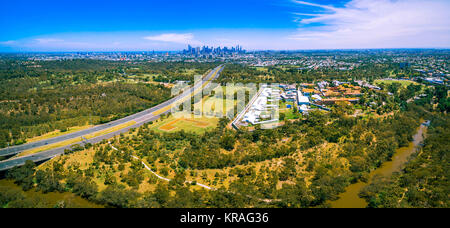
x=44, y=200
x=350, y=198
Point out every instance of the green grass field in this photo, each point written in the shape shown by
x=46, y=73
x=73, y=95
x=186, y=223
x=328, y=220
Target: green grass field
x=187, y=71
x=262, y=69
x=289, y=112
x=388, y=82
x=214, y=105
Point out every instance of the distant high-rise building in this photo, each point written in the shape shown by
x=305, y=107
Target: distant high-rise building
x=211, y=51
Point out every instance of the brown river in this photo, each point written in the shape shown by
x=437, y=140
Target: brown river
x=53, y=198
x=350, y=199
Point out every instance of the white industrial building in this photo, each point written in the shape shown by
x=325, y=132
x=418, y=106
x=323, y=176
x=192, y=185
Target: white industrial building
x=302, y=99
x=260, y=105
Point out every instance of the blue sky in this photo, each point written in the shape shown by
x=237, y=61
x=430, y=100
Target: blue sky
x=132, y=25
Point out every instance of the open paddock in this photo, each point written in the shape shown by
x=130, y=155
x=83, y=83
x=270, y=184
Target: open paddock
x=182, y=122
x=195, y=124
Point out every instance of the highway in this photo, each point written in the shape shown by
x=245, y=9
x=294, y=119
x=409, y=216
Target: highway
x=140, y=119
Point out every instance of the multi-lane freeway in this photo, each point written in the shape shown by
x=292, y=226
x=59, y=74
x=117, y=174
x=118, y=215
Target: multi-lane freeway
x=139, y=119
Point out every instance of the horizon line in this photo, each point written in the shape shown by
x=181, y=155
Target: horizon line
x=256, y=50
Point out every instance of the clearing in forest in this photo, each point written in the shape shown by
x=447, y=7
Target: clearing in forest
x=197, y=124
x=177, y=122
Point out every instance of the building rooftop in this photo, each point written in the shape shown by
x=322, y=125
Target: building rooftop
x=303, y=99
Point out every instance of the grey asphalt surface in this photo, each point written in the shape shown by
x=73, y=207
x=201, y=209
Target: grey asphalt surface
x=141, y=118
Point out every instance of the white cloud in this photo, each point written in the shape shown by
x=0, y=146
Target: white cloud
x=48, y=40
x=9, y=42
x=376, y=24
x=186, y=38
x=316, y=5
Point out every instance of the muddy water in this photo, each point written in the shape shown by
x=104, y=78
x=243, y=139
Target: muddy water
x=350, y=199
x=52, y=198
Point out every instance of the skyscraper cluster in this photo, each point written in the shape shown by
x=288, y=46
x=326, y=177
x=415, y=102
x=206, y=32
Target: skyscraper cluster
x=205, y=50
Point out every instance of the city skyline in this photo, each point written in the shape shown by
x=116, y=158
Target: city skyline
x=49, y=26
